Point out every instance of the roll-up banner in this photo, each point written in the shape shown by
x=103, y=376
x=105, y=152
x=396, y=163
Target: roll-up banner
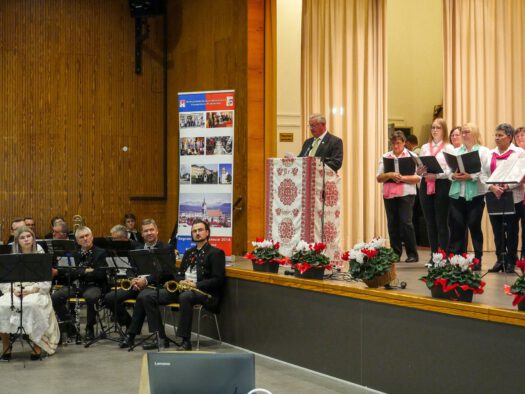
x=206, y=124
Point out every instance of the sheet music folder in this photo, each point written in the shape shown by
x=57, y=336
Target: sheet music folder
x=467, y=162
x=508, y=171
x=403, y=165
x=501, y=206
x=430, y=162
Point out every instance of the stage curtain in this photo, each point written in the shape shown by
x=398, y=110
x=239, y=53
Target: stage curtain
x=484, y=83
x=343, y=77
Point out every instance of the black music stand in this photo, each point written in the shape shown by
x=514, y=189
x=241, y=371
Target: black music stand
x=6, y=249
x=18, y=268
x=68, y=249
x=115, y=249
x=159, y=263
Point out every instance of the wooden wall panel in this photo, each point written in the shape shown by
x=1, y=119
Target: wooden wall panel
x=69, y=102
x=208, y=51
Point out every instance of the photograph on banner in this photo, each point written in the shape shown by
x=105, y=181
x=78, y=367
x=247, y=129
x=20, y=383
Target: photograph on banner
x=204, y=174
x=219, y=145
x=215, y=208
x=187, y=120
x=225, y=174
x=219, y=119
x=185, y=175
x=192, y=146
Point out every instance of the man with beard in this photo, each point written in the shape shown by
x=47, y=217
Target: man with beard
x=202, y=268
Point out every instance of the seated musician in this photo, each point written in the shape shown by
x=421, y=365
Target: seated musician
x=90, y=280
x=131, y=232
x=16, y=223
x=202, y=268
x=39, y=320
x=150, y=234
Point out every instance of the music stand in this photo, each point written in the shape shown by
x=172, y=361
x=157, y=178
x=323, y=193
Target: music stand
x=159, y=263
x=68, y=249
x=6, y=249
x=115, y=249
x=31, y=267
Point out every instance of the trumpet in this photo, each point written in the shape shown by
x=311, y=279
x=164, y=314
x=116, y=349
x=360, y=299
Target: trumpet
x=172, y=286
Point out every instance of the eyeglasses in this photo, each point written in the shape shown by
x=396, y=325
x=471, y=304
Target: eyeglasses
x=465, y=132
x=436, y=127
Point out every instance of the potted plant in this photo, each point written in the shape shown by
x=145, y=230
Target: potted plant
x=309, y=260
x=265, y=256
x=452, y=278
x=372, y=262
x=518, y=288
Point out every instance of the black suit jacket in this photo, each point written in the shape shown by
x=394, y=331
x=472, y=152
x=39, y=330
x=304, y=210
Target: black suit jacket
x=330, y=148
x=210, y=273
x=96, y=259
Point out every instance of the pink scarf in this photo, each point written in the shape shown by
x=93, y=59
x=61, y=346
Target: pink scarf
x=393, y=189
x=496, y=157
x=431, y=183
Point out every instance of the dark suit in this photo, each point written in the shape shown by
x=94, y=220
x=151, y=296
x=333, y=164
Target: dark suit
x=209, y=263
x=330, y=148
x=123, y=317
x=91, y=284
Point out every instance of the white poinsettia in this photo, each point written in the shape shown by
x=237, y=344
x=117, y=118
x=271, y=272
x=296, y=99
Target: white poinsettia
x=357, y=256
x=460, y=261
x=376, y=243
x=360, y=245
x=263, y=244
x=302, y=246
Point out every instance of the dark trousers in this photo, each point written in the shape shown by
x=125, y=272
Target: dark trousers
x=400, y=227
x=91, y=293
x=187, y=300
x=466, y=215
x=506, y=236
x=148, y=306
x=122, y=316
x=522, y=219
x=435, y=209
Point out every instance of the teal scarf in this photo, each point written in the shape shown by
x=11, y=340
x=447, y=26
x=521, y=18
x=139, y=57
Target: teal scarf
x=471, y=187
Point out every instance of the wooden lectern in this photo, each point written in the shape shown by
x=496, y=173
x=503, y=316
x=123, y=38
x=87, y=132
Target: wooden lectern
x=294, y=204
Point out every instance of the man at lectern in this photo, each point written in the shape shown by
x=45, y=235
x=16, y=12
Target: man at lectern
x=323, y=144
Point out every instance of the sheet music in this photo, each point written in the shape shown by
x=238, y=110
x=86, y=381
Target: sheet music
x=396, y=165
x=508, y=171
x=460, y=164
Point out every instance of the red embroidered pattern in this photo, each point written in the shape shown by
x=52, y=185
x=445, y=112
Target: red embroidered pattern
x=287, y=192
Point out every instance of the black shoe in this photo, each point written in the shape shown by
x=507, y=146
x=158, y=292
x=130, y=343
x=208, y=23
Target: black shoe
x=411, y=259
x=129, y=341
x=497, y=267
x=6, y=357
x=184, y=346
x=90, y=333
x=35, y=356
x=509, y=269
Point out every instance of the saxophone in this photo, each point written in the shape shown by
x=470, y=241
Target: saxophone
x=173, y=286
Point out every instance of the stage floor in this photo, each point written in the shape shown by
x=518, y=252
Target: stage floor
x=411, y=272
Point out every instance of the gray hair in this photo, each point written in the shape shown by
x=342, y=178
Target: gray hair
x=82, y=229
x=120, y=230
x=318, y=118
x=506, y=128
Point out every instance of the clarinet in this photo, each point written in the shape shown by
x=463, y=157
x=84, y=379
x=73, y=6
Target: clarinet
x=78, y=337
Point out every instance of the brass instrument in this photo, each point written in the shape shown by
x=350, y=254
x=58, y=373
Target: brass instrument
x=172, y=286
x=78, y=221
x=125, y=284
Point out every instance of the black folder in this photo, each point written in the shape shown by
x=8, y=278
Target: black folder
x=470, y=160
x=502, y=206
x=406, y=165
x=431, y=163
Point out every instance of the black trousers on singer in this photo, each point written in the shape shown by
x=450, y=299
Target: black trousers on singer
x=466, y=215
x=435, y=209
x=399, y=212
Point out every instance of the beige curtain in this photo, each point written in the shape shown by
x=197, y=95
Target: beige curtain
x=343, y=77
x=484, y=83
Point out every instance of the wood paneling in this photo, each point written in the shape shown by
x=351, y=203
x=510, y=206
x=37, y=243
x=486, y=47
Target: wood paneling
x=69, y=102
x=209, y=50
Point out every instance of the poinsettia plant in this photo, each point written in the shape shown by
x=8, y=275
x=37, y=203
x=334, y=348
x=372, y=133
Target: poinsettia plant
x=368, y=260
x=265, y=251
x=454, y=271
x=518, y=288
x=309, y=255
